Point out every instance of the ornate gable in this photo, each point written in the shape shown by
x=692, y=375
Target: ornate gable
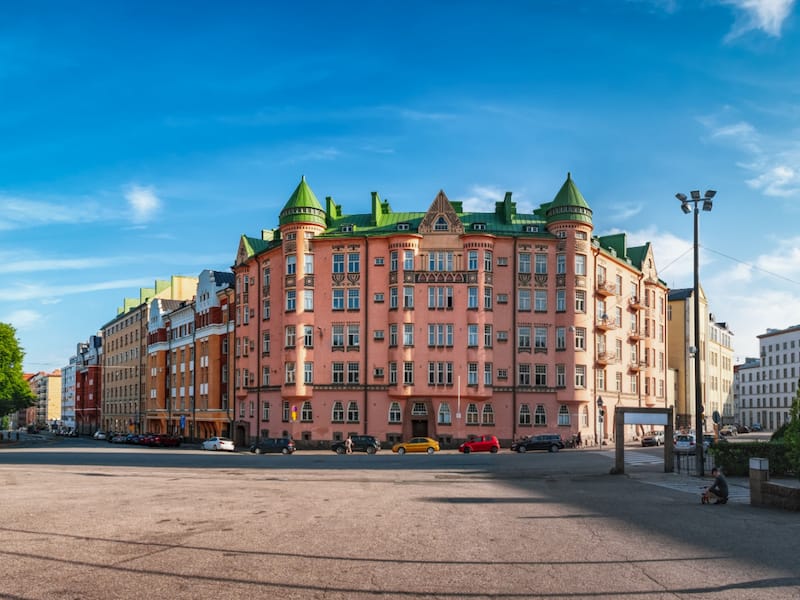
x=244, y=252
x=441, y=217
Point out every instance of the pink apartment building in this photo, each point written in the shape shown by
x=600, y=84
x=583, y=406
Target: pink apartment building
x=443, y=323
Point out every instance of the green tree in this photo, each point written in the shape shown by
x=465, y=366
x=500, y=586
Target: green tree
x=15, y=393
x=792, y=436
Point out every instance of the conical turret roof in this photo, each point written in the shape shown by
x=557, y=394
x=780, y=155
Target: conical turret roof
x=569, y=204
x=302, y=206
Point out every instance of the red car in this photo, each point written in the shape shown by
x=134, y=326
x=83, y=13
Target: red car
x=480, y=443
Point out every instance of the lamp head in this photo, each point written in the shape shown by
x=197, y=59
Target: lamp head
x=685, y=207
x=707, y=204
x=681, y=197
x=710, y=194
x=695, y=194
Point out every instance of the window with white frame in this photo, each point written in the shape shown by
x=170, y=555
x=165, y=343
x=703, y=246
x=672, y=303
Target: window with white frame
x=561, y=376
x=308, y=373
x=408, y=334
x=580, y=264
x=524, y=374
x=408, y=373
x=305, y=412
x=353, y=299
x=487, y=298
x=524, y=262
x=393, y=297
x=353, y=372
x=472, y=373
x=353, y=335
x=540, y=264
x=408, y=296
x=472, y=335
x=445, y=417
x=580, y=376
x=487, y=414
x=540, y=375
x=524, y=300
x=308, y=264
x=338, y=263
x=291, y=336
x=540, y=416
x=392, y=373
x=308, y=300
x=290, y=374
x=472, y=414
x=487, y=336
x=352, y=412
x=291, y=300
x=487, y=374
x=580, y=301
x=308, y=336
x=472, y=260
x=338, y=299
x=394, y=412
x=408, y=260
x=487, y=261
x=393, y=261
x=353, y=262
x=561, y=300
x=265, y=411
x=337, y=372
x=337, y=336
x=540, y=338
x=337, y=413
x=563, y=415
x=291, y=264
x=524, y=414
x=580, y=338
x=540, y=301
x=472, y=297
x=561, y=264
x=524, y=338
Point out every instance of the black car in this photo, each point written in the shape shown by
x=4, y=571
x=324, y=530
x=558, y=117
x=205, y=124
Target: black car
x=361, y=443
x=282, y=445
x=546, y=441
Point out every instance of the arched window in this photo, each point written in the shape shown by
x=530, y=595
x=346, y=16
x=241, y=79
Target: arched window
x=563, y=415
x=445, y=417
x=584, y=416
x=472, y=414
x=352, y=412
x=419, y=409
x=524, y=414
x=305, y=412
x=394, y=412
x=488, y=414
x=540, y=417
x=337, y=415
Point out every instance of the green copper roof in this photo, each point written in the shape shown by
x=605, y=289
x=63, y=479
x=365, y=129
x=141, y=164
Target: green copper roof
x=569, y=205
x=302, y=207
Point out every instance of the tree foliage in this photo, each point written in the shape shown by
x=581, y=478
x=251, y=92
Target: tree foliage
x=792, y=436
x=15, y=393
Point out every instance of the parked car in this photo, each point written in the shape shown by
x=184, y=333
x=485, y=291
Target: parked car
x=417, y=444
x=742, y=429
x=708, y=440
x=118, y=438
x=273, y=445
x=480, y=443
x=755, y=427
x=218, y=443
x=99, y=435
x=360, y=443
x=728, y=430
x=551, y=442
x=653, y=438
x=685, y=443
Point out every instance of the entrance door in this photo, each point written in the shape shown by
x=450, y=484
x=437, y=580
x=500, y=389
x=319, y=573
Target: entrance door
x=419, y=428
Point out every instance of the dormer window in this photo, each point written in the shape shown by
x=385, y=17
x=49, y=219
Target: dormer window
x=441, y=224
x=403, y=227
x=479, y=226
x=531, y=229
x=346, y=229
x=561, y=234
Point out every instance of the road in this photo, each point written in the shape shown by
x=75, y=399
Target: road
x=85, y=519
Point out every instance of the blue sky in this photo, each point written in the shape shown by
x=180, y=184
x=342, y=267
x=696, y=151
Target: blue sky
x=141, y=139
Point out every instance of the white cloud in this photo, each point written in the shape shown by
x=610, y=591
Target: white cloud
x=23, y=319
x=49, y=293
x=774, y=163
x=761, y=15
x=16, y=213
x=482, y=198
x=143, y=203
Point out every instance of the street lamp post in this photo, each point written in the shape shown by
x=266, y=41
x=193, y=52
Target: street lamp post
x=698, y=387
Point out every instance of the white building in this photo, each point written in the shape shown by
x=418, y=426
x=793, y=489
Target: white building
x=68, y=394
x=767, y=387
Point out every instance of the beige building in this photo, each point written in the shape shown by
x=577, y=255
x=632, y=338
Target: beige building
x=47, y=387
x=716, y=360
x=125, y=355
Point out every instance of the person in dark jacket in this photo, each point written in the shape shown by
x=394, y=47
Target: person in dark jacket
x=718, y=490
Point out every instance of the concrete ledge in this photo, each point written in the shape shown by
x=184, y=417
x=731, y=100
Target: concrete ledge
x=777, y=495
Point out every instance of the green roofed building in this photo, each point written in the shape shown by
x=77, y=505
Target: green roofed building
x=443, y=323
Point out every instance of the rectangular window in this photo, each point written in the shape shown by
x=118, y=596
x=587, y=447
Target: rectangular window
x=540, y=375
x=291, y=336
x=561, y=264
x=353, y=299
x=472, y=335
x=338, y=263
x=487, y=336
x=524, y=300
x=487, y=298
x=472, y=374
x=524, y=261
x=393, y=261
x=338, y=299
x=393, y=373
x=291, y=264
x=561, y=300
x=540, y=338
x=540, y=301
x=338, y=372
x=580, y=376
x=541, y=264
x=561, y=338
x=408, y=296
x=353, y=336
x=472, y=260
x=291, y=300
x=408, y=373
x=353, y=262
x=487, y=374
x=308, y=300
x=561, y=376
x=393, y=296
x=408, y=334
x=524, y=375
x=487, y=261
x=408, y=260
x=580, y=301
x=353, y=372
x=290, y=373
x=308, y=336
x=308, y=264
x=580, y=338
x=580, y=264
x=524, y=338
x=472, y=297
x=337, y=336
x=308, y=373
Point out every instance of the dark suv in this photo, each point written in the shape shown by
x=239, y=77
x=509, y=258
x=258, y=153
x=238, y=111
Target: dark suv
x=551, y=442
x=361, y=443
x=282, y=445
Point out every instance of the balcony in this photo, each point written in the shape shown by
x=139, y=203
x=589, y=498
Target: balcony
x=635, y=335
x=604, y=323
x=636, y=366
x=635, y=303
x=606, y=358
x=606, y=288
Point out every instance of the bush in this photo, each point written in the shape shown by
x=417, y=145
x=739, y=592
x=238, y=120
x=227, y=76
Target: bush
x=734, y=459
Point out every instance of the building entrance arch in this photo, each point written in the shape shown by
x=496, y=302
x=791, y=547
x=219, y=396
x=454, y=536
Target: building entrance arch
x=624, y=415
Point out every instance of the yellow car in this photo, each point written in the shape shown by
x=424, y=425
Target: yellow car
x=417, y=444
